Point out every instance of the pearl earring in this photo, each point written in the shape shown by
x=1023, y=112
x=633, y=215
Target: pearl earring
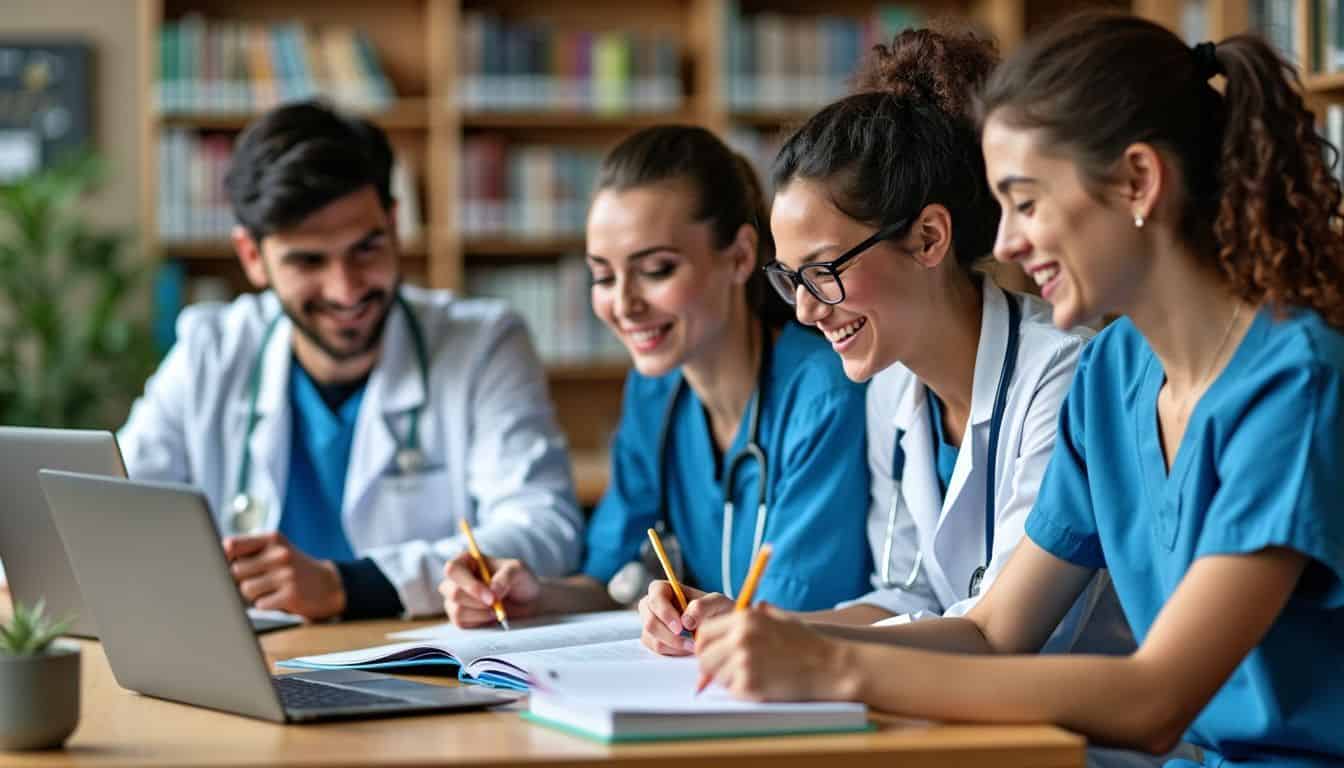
x=1138, y=222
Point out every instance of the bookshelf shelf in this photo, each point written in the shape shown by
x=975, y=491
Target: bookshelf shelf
x=591, y=471
x=624, y=121
x=505, y=246
x=579, y=372
x=405, y=114
x=222, y=250
x=1327, y=84
x=770, y=118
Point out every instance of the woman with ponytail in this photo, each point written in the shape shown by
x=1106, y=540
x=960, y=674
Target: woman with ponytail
x=733, y=417
x=1200, y=455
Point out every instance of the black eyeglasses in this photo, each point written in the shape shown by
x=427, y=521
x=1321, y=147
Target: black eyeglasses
x=822, y=278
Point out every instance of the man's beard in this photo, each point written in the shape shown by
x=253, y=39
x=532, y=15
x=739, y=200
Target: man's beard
x=341, y=355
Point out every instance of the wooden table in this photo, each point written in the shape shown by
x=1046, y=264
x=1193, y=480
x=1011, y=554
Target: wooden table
x=120, y=728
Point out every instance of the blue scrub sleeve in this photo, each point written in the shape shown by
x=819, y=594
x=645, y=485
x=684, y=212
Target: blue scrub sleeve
x=630, y=505
x=1283, y=476
x=1063, y=521
x=819, y=509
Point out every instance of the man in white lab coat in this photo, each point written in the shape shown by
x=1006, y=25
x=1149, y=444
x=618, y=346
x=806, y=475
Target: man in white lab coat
x=341, y=423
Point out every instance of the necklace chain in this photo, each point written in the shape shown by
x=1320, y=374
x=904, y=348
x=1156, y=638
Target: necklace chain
x=1190, y=399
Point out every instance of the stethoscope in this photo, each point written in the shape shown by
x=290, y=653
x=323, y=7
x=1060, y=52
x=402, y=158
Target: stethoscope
x=248, y=513
x=752, y=451
x=898, y=469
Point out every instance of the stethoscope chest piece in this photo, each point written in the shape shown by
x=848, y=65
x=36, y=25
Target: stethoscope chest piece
x=410, y=461
x=977, y=576
x=246, y=514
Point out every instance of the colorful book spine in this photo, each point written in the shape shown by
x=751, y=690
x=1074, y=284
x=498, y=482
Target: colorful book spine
x=512, y=66
x=524, y=191
x=209, y=66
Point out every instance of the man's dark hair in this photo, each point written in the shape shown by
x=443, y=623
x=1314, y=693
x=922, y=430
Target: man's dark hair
x=297, y=159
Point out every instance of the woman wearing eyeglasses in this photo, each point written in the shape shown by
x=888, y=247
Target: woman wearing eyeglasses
x=737, y=426
x=880, y=213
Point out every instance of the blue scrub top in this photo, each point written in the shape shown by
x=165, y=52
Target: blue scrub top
x=320, y=441
x=1261, y=465
x=947, y=452
x=813, y=435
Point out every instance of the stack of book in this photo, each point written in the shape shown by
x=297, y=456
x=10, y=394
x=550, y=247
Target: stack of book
x=524, y=191
x=553, y=298
x=194, y=207
x=799, y=62
x=235, y=67
x=509, y=65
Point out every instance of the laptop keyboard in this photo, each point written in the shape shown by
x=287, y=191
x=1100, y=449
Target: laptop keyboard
x=301, y=694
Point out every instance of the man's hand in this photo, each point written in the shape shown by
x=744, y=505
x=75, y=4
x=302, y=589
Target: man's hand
x=273, y=574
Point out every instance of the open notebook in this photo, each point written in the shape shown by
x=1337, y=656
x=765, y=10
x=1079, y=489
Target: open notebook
x=492, y=656
x=654, y=698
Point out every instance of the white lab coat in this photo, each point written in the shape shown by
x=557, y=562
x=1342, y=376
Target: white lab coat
x=487, y=431
x=951, y=531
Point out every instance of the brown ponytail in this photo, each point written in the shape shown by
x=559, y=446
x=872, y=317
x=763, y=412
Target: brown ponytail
x=1260, y=201
x=728, y=193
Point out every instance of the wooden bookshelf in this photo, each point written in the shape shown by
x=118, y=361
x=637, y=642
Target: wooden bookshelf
x=417, y=44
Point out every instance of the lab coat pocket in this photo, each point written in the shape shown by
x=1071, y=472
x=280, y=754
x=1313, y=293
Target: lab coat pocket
x=410, y=507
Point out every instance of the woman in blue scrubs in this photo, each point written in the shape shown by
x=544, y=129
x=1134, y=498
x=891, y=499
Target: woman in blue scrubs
x=724, y=390
x=1201, y=449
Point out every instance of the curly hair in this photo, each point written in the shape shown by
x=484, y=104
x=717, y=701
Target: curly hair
x=1259, y=201
x=946, y=68
x=905, y=139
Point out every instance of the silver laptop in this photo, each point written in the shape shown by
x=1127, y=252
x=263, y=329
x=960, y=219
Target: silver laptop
x=149, y=564
x=32, y=553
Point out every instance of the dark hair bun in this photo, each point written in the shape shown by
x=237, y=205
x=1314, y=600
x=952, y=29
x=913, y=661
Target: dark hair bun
x=944, y=68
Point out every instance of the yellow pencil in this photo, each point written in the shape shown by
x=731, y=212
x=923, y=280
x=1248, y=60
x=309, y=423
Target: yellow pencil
x=744, y=597
x=483, y=568
x=667, y=568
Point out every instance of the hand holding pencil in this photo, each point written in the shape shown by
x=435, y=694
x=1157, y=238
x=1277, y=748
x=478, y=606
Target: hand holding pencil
x=483, y=569
x=671, y=610
x=744, y=597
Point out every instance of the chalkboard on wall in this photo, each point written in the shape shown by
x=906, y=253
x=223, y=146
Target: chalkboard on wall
x=45, y=106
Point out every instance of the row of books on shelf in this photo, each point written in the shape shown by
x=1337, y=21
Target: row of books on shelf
x=236, y=67
x=1276, y=21
x=520, y=65
x=193, y=205
x=529, y=190
x=553, y=299
x=781, y=61
x=1328, y=48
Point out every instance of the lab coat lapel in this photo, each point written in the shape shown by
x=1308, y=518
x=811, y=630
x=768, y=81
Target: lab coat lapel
x=270, y=443
x=393, y=390
x=959, y=542
x=919, y=481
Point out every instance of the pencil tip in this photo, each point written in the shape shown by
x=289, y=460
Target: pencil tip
x=505, y=624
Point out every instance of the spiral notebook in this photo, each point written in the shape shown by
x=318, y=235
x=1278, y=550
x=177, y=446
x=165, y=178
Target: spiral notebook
x=495, y=657
x=654, y=699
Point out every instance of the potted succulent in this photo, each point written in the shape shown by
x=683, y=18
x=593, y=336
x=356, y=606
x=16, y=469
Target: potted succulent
x=39, y=681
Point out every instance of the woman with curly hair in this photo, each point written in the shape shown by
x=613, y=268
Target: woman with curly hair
x=1200, y=455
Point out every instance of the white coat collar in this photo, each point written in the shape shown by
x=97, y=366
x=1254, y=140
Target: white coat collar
x=989, y=352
